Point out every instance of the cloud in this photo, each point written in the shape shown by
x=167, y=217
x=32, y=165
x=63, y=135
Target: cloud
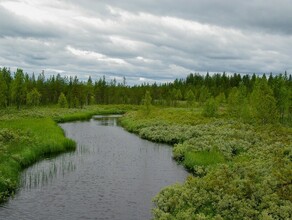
x=151, y=40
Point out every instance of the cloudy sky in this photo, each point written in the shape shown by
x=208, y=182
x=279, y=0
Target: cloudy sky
x=147, y=40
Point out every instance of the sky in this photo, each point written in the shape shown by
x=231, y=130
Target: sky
x=146, y=40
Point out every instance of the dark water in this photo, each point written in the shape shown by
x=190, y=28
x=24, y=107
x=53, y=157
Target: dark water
x=112, y=175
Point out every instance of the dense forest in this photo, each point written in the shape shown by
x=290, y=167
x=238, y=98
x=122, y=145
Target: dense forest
x=266, y=98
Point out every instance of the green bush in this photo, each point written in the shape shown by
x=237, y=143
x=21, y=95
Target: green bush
x=243, y=171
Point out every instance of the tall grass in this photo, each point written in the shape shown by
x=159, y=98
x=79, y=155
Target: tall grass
x=23, y=142
x=202, y=158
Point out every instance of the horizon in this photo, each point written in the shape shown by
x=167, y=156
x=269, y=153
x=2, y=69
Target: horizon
x=120, y=79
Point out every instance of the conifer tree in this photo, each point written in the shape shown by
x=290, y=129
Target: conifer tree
x=210, y=108
x=147, y=102
x=18, y=88
x=263, y=102
x=3, y=91
x=190, y=97
x=62, y=101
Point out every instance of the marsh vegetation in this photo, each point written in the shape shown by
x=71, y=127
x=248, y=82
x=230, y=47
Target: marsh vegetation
x=233, y=134
x=240, y=170
x=112, y=174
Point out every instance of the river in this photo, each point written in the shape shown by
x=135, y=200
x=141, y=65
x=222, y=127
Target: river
x=113, y=174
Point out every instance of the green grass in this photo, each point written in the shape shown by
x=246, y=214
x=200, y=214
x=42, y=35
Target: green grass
x=22, y=143
x=202, y=158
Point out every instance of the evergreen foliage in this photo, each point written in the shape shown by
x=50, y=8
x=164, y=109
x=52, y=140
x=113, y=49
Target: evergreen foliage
x=147, y=102
x=18, y=89
x=211, y=108
x=62, y=101
x=190, y=97
x=264, y=106
x=3, y=91
x=244, y=94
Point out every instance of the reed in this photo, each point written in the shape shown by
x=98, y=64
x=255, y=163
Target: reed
x=23, y=142
x=31, y=134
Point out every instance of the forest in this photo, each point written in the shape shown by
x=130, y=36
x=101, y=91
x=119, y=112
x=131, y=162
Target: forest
x=233, y=133
x=246, y=96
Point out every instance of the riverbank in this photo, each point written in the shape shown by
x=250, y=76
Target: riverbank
x=32, y=134
x=240, y=170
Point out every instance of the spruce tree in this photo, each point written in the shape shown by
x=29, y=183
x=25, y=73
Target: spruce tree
x=3, y=91
x=147, y=102
x=62, y=101
x=190, y=97
x=263, y=102
x=18, y=88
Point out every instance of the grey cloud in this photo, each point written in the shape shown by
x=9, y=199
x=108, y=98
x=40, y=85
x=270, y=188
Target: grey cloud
x=15, y=26
x=156, y=40
x=266, y=15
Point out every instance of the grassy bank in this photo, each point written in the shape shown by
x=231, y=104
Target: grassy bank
x=31, y=134
x=241, y=171
x=22, y=143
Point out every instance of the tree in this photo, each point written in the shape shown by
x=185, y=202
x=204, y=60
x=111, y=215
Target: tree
x=220, y=99
x=33, y=98
x=281, y=94
x=18, y=88
x=175, y=95
x=178, y=95
x=263, y=102
x=7, y=79
x=3, y=91
x=211, y=108
x=62, y=101
x=147, y=102
x=41, y=87
x=89, y=92
x=238, y=105
x=190, y=97
x=204, y=94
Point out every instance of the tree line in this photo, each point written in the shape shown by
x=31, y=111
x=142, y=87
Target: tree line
x=267, y=98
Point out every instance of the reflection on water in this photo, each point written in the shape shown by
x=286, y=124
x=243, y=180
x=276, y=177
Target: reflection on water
x=112, y=175
x=107, y=120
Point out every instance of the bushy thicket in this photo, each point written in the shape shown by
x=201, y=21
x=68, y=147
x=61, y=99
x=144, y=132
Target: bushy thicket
x=240, y=171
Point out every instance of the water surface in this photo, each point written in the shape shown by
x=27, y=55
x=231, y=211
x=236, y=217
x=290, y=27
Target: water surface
x=113, y=174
